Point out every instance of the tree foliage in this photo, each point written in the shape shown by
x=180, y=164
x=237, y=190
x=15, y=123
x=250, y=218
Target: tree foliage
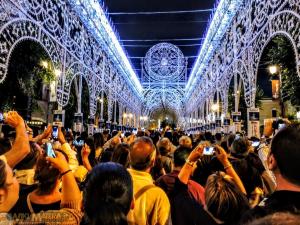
x=281, y=52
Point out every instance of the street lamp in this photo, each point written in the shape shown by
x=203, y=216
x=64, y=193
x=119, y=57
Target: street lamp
x=273, y=69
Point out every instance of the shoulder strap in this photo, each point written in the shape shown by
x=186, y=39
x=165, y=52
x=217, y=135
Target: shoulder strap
x=143, y=190
x=29, y=204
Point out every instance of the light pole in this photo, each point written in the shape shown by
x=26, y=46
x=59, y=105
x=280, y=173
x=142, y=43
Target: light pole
x=276, y=86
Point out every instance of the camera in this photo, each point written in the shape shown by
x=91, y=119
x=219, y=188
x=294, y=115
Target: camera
x=49, y=150
x=209, y=150
x=55, y=132
x=255, y=144
x=2, y=117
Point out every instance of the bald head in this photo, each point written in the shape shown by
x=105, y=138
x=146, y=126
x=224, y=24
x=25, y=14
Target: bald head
x=142, y=153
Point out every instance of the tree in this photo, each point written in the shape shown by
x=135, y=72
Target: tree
x=281, y=53
x=26, y=77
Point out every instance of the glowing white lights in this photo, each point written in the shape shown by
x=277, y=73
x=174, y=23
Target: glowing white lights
x=94, y=17
x=215, y=107
x=273, y=69
x=222, y=19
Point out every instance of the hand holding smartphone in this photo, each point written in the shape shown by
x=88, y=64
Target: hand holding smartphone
x=209, y=150
x=49, y=150
x=55, y=132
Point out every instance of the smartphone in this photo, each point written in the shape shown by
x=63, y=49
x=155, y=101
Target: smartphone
x=49, y=150
x=1, y=118
x=255, y=143
x=55, y=132
x=281, y=125
x=209, y=151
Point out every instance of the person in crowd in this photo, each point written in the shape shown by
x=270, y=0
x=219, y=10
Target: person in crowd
x=70, y=203
x=151, y=203
x=98, y=142
x=20, y=147
x=47, y=195
x=121, y=154
x=239, y=157
x=225, y=195
x=165, y=150
x=283, y=160
x=113, y=142
x=108, y=195
x=185, y=141
x=167, y=182
x=218, y=138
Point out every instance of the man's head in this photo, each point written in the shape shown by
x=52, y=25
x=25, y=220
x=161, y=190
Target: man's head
x=142, y=154
x=164, y=146
x=218, y=137
x=9, y=188
x=284, y=155
x=240, y=147
x=180, y=156
x=185, y=141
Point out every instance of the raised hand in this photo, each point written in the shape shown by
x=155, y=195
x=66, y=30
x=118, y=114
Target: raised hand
x=14, y=120
x=59, y=162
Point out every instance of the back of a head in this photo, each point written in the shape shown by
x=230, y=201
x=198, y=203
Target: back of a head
x=164, y=143
x=121, y=154
x=98, y=140
x=46, y=175
x=185, y=141
x=230, y=139
x=223, y=199
x=240, y=147
x=180, y=155
x=218, y=136
x=142, y=153
x=108, y=195
x=286, y=151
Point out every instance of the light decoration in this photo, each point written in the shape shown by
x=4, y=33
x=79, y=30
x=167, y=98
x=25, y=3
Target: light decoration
x=93, y=16
x=215, y=107
x=220, y=22
x=164, y=78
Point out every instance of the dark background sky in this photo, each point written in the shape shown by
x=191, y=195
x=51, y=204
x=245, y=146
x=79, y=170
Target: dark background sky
x=160, y=26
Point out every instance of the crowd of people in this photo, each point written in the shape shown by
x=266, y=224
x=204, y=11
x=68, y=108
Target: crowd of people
x=147, y=178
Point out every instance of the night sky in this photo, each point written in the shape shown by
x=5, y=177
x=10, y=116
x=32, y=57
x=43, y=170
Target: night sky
x=160, y=26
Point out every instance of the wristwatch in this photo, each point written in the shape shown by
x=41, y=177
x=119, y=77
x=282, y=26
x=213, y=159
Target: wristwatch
x=189, y=162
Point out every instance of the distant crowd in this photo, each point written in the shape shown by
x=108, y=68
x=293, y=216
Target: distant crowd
x=113, y=178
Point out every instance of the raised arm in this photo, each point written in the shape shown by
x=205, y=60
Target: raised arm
x=21, y=147
x=85, y=152
x=187, y=169
x=71, y=197
x=222, y=157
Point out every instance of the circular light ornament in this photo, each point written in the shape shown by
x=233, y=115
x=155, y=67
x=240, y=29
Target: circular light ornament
x=164, y=61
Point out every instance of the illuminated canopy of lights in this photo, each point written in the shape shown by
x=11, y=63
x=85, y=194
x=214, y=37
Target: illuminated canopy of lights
x=164, y=78
x=220, y=22
x=168, y=86
x=94, y=18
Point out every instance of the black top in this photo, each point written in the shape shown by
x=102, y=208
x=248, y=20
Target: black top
x=279, y=201
x=22, y=207
x=185, y=209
